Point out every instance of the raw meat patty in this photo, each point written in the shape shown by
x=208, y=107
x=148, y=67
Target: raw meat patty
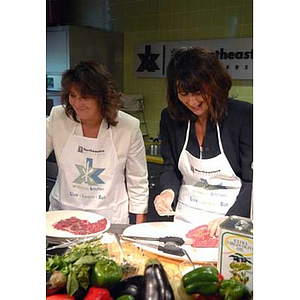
x=200, y=237
x=80, y=227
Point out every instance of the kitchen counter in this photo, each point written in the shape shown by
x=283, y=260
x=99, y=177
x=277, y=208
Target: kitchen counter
x=153, y=152
x=154, y=159
x=138, y=255
x=117, y=228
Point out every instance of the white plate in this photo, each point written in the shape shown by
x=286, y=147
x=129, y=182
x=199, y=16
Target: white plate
x=162, y=229
x=57, y=215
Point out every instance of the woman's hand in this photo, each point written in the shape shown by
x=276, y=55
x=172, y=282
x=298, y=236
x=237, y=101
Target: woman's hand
x=214, y=226
x=141, y=218
x=162, y=203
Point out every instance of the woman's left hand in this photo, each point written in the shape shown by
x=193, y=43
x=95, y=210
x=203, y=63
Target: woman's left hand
x=214, y=226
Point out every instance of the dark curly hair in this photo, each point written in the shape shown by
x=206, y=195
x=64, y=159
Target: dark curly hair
x=195, y=69
x=91, y=78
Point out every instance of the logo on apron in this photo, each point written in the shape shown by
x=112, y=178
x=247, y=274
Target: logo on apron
x=203, y=183
x=209, y=186
x=88, y=174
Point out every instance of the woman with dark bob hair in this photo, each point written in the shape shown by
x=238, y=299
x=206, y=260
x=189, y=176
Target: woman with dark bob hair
x=99, y=149
x=206, y=145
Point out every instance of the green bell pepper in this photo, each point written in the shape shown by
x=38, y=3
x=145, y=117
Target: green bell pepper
x=232, y=289
x=106, y=273
x=202, y=280
x=126, y=297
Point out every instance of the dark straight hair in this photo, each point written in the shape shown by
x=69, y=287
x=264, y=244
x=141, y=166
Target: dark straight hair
x=195, y=69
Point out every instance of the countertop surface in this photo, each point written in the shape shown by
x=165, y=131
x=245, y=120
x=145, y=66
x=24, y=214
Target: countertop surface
x=154, y=159
x=117, y=228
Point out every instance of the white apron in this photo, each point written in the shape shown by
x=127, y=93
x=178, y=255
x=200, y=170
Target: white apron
x=209, y=186
x=89, y=178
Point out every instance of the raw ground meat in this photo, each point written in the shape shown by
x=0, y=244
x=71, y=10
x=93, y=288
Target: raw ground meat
x=80, y=227
x=201, y=238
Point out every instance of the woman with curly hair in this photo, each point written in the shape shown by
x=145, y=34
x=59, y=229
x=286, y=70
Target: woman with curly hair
x=206, y=143
x=99, y=149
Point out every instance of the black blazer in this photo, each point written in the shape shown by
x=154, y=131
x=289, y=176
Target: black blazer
x=236, y=131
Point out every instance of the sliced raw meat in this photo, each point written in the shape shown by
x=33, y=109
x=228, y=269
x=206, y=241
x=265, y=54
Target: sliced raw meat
x=80, y=227
x=200, y=237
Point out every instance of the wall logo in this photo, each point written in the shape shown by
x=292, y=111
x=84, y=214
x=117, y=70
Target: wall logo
x=148, y=60
x=151, y=59
x=88, y=174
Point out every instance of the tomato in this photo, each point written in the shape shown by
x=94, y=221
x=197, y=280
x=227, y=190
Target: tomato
x=96, y=293
x=60, y=297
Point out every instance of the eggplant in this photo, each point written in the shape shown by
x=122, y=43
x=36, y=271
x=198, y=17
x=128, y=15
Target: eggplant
x=133, y=286
x=157, y=285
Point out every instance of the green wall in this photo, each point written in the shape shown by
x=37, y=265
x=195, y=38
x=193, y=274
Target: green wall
x=175, y=20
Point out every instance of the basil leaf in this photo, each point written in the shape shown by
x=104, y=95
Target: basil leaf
x=72, y=284
x=84, y=277
x=86, y=260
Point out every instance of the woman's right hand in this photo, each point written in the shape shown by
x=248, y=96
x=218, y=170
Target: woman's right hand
x=162, y=203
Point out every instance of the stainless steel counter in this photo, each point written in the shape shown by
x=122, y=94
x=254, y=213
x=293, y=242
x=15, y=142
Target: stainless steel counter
x=117, y=228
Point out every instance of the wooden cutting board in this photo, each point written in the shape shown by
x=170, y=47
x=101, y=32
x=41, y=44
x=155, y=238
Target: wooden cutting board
x=138, y=257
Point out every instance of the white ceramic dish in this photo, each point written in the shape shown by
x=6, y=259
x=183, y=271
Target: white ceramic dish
x=55, y=235
x=162, y=229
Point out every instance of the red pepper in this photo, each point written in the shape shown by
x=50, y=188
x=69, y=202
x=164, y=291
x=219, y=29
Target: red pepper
x=96, y=293
x=221, y=277
x=60, y=297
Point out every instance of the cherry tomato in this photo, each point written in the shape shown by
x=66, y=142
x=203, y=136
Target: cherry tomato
x=60, y=297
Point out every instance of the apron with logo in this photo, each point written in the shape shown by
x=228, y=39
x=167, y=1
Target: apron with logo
x=209, y=186
x=89, y=178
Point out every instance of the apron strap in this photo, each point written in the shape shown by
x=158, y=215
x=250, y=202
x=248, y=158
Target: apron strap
x=219, y=139
x=187, y=135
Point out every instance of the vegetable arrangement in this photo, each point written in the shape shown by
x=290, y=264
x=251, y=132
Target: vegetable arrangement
x=74, y=267
x=209, y=284
x=153, y=285
x=88, y=273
